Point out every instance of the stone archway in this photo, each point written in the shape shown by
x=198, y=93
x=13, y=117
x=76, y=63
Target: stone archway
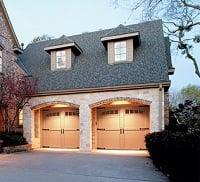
x=130, y=99
x=45, y=104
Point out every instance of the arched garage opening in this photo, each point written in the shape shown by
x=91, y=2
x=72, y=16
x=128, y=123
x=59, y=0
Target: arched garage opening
x=56, y=125
x=120, y=124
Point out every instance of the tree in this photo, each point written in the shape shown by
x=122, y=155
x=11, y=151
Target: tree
x=41, y=38
x=15, y=92
x=191, y=92
x=175, y=98
x=181, y=22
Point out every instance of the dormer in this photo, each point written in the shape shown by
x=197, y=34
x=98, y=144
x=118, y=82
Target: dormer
x=120, y=43
x=63, y=52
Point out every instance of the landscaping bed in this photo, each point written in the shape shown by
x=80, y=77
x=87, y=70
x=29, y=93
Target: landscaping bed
x=13, y=142
x=176, y=154
x=176, y=150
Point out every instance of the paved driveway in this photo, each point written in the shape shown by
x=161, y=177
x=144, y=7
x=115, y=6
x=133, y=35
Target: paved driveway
x=76, y=167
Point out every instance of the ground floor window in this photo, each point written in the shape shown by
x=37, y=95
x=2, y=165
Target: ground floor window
x=21, y=119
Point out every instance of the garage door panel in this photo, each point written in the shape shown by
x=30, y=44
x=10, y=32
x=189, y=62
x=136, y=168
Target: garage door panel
x=109, y=139
x=134, y=139
x=52, y=123
x=134, y=122
x=52, y=138
x=109, y=123
x=71, y=139
x=71, y=123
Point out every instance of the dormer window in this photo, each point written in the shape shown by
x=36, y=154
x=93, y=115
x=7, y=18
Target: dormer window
x=60, y=59
x=1, y=60
x=120, y=47
x=120, y=51
x=62, y=52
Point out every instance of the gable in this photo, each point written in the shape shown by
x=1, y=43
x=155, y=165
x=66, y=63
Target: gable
x=6, y=28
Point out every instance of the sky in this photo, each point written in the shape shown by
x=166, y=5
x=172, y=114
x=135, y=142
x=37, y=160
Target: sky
x=58, y=17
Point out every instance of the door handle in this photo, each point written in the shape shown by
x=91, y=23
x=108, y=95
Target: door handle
x=62, y=131
x=121, y=131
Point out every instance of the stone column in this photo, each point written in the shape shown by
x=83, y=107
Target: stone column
x=27, y=124
x=85, y=128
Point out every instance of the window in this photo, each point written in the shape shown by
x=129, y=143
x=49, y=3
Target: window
x=60, y=59
x=21, y=118
x=36, y=123
x=120, y=51
x=1, y=60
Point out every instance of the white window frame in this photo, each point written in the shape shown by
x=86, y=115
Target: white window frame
x=1, y=60
x=120, y=50
x=60, y=59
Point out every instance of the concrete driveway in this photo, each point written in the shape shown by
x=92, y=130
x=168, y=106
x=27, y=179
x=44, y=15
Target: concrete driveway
x=77, y=167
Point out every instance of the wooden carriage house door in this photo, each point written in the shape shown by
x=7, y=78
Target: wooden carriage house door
x=122, y=128
x=60, y=129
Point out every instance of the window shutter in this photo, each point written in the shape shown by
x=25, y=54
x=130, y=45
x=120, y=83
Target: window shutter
x=129, y=49
x=111, y=53
x=53, y=60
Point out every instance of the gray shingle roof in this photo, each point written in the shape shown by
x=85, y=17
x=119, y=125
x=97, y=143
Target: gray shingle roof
x=62, y=40
x=91, y=69
x=121, y=29
x=168, y=53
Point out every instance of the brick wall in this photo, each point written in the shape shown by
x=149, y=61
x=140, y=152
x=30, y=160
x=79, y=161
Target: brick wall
x=166, y=107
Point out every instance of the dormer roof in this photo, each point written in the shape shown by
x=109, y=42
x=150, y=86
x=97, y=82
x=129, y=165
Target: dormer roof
x=62, y=43
x=119, y=33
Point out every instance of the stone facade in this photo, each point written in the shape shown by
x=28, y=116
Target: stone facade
x=86, y=102
x=7, y=44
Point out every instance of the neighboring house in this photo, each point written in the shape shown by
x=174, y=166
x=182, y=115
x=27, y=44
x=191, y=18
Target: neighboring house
x=9, y=49
x=99, y=90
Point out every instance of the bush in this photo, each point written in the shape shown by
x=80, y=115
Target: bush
x=12, y=139
x=177, y=154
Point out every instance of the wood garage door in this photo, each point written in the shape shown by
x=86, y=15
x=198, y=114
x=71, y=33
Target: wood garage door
x=122, y=128
x=60, y=128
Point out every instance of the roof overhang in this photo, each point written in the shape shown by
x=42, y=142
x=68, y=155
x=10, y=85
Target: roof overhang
x=171, y=71
x=75, y=48
x=165, y=85
x=17, y=50
x=135, y=36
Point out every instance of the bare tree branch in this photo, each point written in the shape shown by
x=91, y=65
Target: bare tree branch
x=194, y=6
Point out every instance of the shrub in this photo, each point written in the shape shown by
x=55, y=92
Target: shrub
x=12, y=139
x=176, y=154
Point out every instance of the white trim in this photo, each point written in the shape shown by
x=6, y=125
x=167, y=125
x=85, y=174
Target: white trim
x=59, y=46
x=119, y=36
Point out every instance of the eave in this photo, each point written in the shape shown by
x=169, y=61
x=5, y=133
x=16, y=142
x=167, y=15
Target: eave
x=75, y=48
x=135, y=36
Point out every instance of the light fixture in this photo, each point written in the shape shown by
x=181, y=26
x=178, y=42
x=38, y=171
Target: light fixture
x=59, y=105
x=120, y=102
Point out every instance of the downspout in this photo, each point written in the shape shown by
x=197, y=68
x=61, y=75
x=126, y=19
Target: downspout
x=160, y=107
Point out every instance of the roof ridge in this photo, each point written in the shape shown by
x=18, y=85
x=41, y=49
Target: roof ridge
x=109, y=29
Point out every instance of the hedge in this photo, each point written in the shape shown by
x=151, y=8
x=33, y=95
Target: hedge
x=177, y=154
x=12, y=139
